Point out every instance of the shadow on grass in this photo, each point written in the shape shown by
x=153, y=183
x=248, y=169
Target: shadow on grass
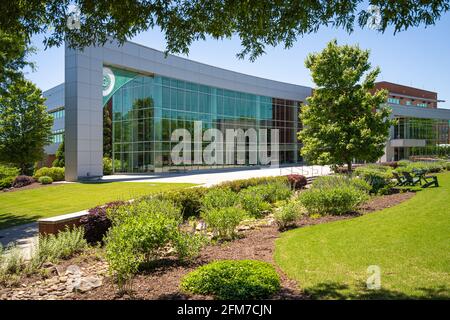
x=8, y=220
x=338, y=291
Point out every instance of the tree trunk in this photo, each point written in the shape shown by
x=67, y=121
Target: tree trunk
x=349, y=167
x=23, y=168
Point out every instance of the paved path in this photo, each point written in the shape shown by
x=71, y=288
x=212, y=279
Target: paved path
x=25, y=236
x=212, y=177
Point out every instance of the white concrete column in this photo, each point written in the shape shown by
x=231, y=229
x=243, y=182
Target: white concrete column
x=84, y=113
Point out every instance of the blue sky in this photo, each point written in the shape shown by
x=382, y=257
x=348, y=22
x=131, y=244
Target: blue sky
x=419, y=57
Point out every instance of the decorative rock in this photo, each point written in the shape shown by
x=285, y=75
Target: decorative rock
x=60, y=270
x=51, y=281
x=60, y=286
x=73, y=270
x=84, y=284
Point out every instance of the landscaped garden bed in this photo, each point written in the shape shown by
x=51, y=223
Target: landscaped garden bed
x=163, y=280
x=161, y=266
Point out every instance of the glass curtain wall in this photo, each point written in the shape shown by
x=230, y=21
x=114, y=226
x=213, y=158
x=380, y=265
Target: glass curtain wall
x=435, y=132
x=147, y=109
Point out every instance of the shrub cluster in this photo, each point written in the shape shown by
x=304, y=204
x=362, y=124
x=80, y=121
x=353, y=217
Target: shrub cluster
x=142, y=232
x=219, y=198
x=223, y=220
x=238, y=185
x=253, y=202
x=233, y=279
x=56, y=173
x=428, y=167
x=12, y=264
x=189, y=199
x=340, y=180
x=286, y=215
x=297, y=181
x=108, y=165
x=273, y=192
x=223, y=209
x=335, y=195
x=97, y=223
x=63, y=245
x=379, y=177
x=7, y=175
x=22, y=181
x=45, y=180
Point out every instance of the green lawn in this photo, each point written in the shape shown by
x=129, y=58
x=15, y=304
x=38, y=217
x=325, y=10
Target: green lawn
x=409, y=242
x=29, y=205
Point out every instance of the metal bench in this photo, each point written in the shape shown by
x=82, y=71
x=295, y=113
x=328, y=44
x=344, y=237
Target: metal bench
x=411, y=180
x=400, y=180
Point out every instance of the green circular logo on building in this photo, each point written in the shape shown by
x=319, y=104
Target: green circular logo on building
x=108, y=81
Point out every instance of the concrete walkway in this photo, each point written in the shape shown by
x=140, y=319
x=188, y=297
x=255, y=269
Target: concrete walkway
x=25, y=236
x=212, y=177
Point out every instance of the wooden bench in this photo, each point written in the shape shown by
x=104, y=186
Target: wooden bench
x=55, y=224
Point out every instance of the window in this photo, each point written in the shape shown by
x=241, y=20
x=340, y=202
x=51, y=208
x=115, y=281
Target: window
x=143, y=143
x=57, y=114
x=424, y=105
x=58, y=136
x=394, y=100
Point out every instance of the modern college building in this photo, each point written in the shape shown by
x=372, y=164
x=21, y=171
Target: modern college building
x=422, y=128
x=125, y=101
x=147, y=96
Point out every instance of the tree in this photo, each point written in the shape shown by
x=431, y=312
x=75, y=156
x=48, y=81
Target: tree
x=60, y=160
x=25, y=125
x=344, y=119
x=257, y=23
x=13, y=58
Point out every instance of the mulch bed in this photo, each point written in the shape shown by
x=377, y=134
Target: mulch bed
x=387, y=201
x=163, y=281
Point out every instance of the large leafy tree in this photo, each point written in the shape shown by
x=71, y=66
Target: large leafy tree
x=344, y=119
x=13, y=58
x=256, y=23
x=25, y=125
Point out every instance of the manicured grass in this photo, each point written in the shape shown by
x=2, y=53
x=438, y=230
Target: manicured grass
x=409, y=242
x=29, y=205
